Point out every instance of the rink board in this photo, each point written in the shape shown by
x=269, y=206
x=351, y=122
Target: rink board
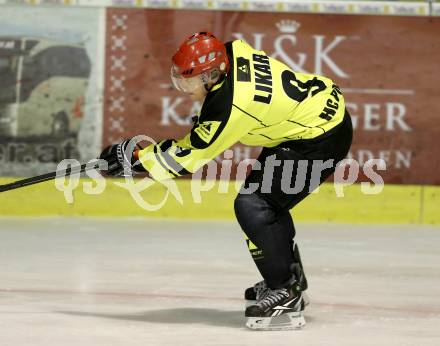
x=413, y=204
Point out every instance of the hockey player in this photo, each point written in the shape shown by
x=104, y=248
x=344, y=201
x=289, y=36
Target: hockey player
x=301, y=122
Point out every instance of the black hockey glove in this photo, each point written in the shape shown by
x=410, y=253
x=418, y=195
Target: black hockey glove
x=122, y=161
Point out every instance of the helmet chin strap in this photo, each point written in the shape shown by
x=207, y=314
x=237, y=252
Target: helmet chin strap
x=220, y=79
x=205, y=80
x=207, y=88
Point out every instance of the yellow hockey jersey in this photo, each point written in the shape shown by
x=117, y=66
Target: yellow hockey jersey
x=261, y=102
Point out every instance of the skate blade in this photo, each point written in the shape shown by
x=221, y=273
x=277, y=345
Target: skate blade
x=304, y=294
x=287, y=321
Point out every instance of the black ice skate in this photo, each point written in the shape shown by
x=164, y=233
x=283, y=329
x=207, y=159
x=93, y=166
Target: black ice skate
x=277, y=309
x=255, y=293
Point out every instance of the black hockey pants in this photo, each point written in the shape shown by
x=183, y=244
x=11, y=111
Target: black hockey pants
x=282, y=177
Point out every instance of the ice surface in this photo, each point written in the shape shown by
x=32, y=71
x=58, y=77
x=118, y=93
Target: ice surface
x=151, y=282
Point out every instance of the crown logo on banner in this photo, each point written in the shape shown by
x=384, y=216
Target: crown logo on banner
x=288, y=26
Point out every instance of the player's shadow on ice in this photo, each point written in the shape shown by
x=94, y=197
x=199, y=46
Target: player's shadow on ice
x=179, y=316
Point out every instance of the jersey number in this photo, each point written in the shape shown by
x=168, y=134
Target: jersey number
x=298, y=90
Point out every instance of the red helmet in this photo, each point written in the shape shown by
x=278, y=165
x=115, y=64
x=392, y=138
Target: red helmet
x=201, y=52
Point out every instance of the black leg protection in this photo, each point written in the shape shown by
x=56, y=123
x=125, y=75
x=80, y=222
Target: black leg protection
x=270, y=242
x=297, y=268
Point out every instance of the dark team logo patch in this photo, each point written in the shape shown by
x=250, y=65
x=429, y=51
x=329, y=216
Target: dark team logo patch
x=243, y=70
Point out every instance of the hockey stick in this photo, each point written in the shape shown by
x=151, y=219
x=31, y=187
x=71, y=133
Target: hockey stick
x=45, y=177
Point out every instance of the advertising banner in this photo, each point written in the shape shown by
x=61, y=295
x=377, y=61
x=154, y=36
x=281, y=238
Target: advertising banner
x=50, y=87
x=387, y=68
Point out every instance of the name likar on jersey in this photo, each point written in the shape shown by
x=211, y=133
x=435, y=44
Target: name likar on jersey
x=263, y=78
